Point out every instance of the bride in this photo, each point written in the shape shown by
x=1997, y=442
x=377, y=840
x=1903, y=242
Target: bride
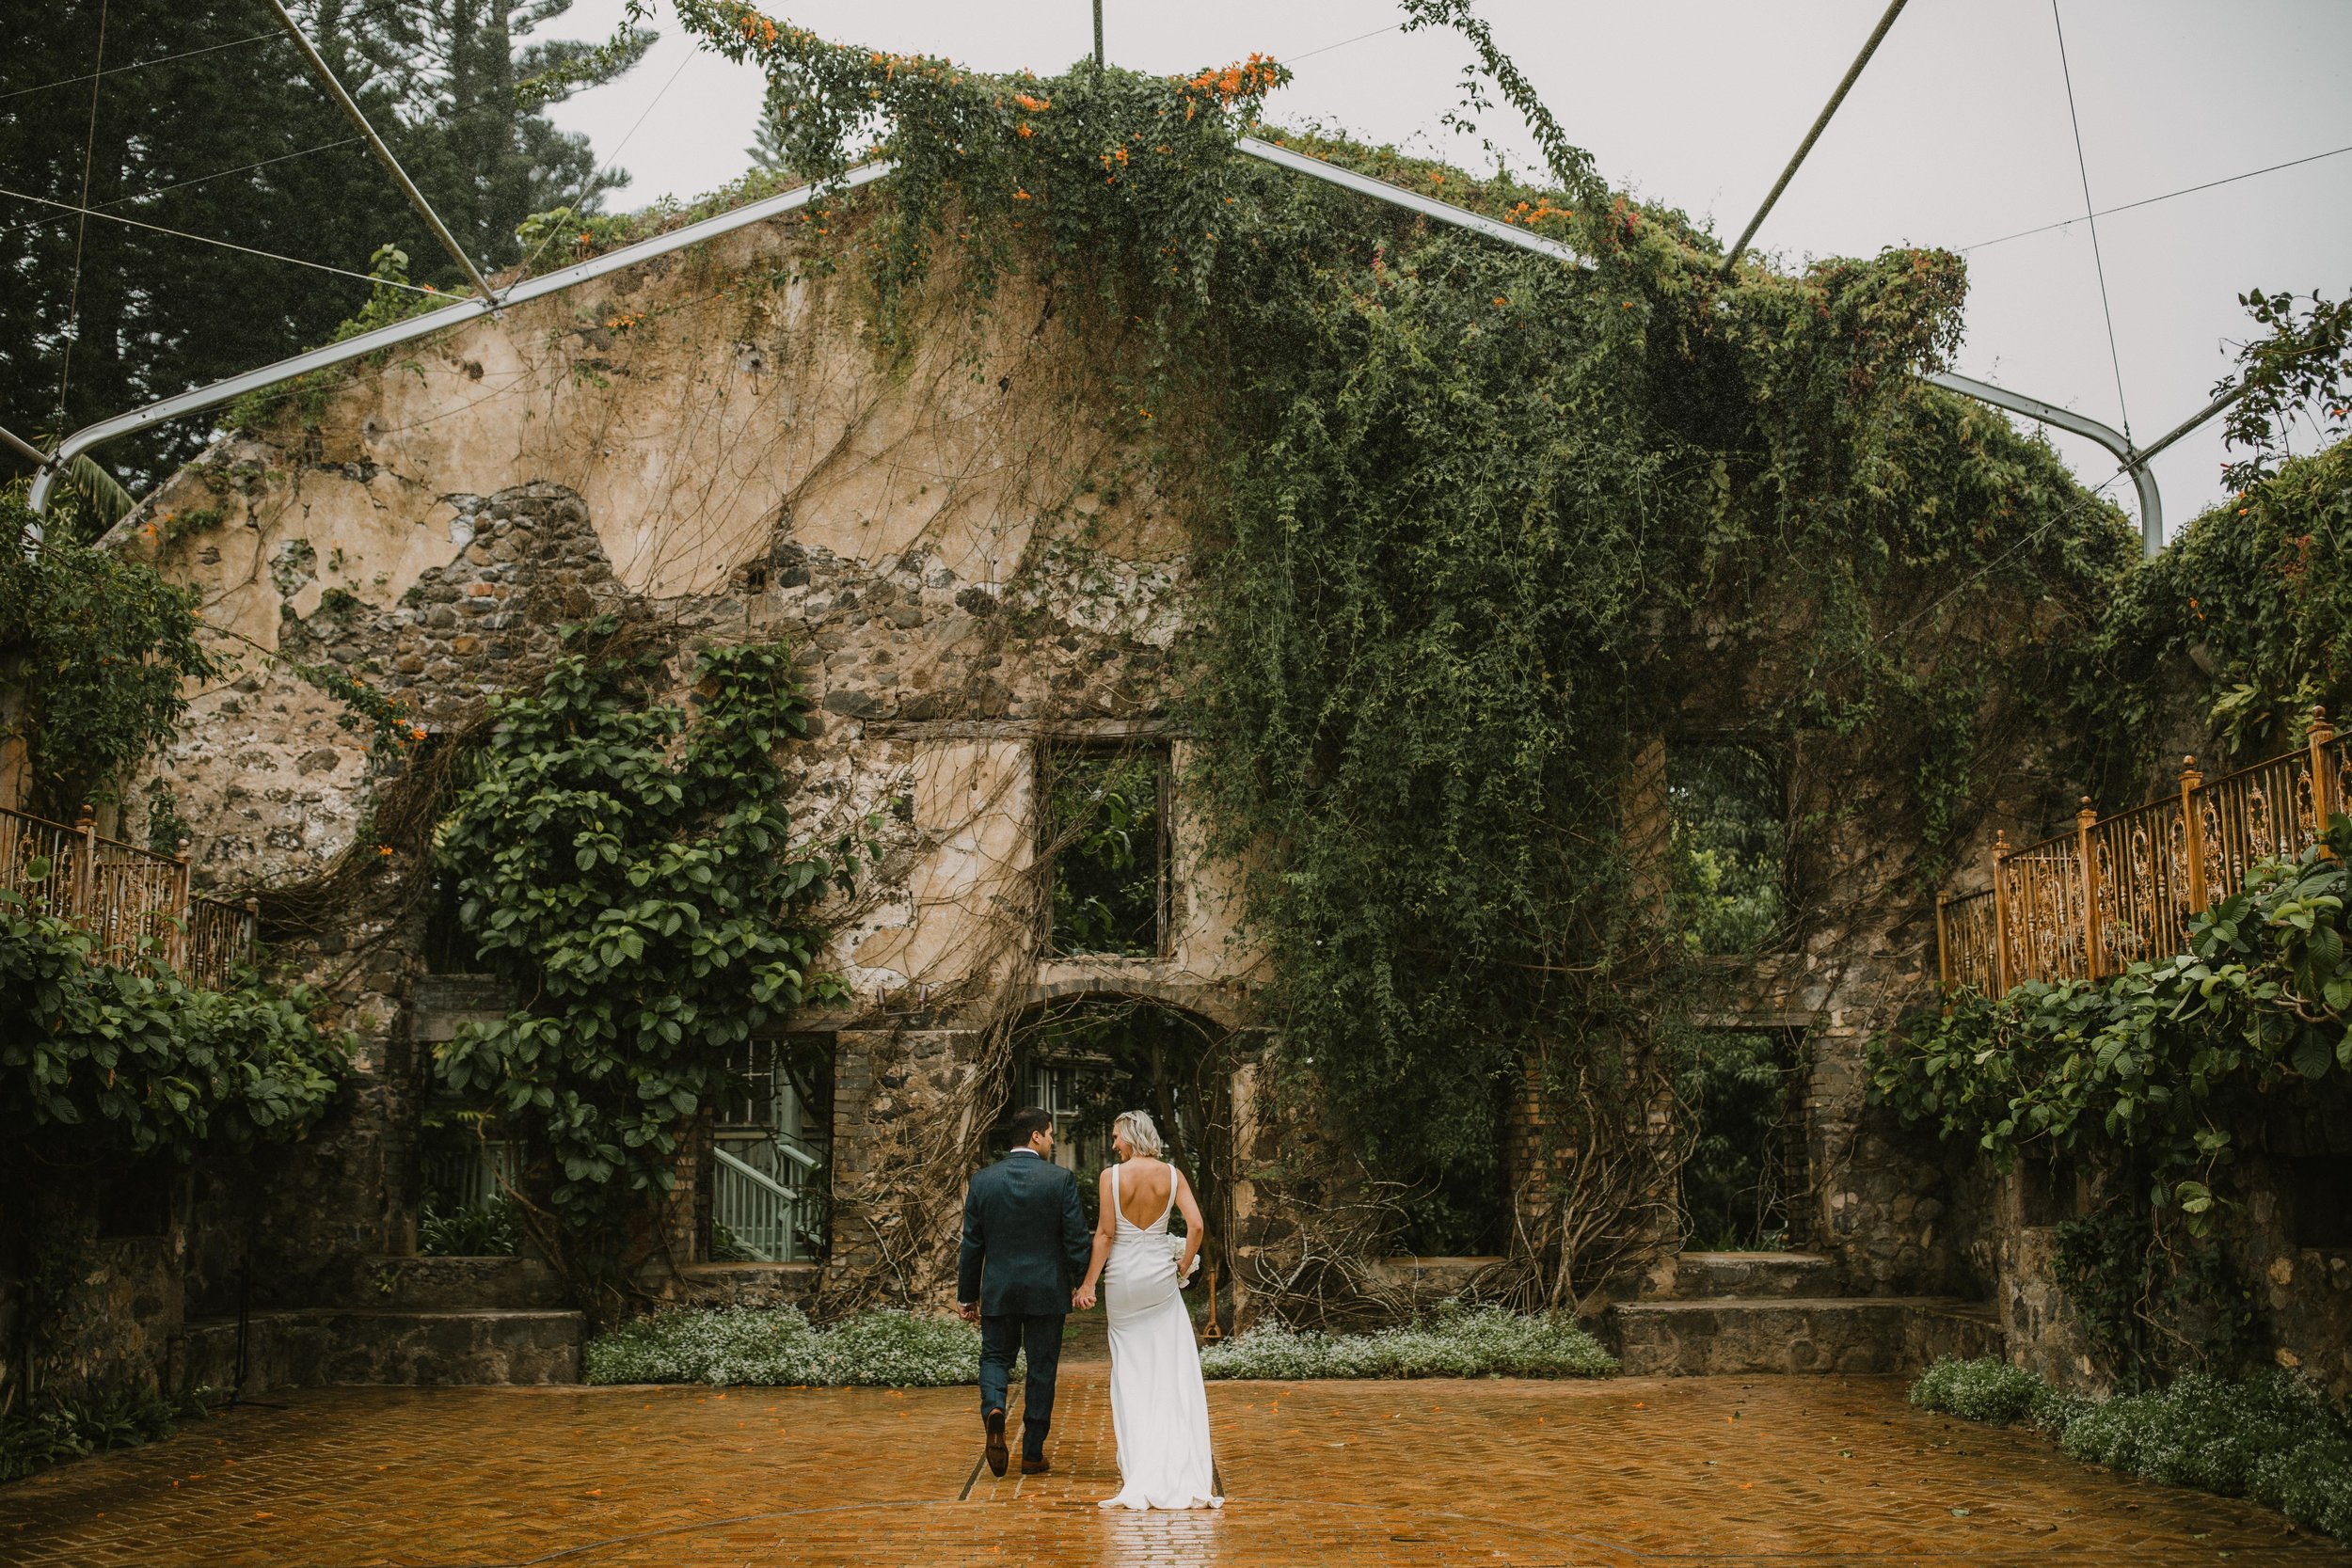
x=1159, y=1408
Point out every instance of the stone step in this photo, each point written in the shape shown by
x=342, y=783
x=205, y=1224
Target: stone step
x=442, y=1285
x=1785, y=1334
x=1746, y=1275
x=310, y=1348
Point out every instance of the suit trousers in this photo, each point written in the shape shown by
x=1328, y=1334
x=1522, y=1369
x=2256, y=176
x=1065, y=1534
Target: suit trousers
x=1002, y=1339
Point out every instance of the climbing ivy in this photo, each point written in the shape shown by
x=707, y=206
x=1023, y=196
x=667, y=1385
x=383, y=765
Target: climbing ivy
x=632, y=876
x=100, y=1062
x=98, y=651
x=1469, y=497
x=2146, y=1069
x=2255, y=597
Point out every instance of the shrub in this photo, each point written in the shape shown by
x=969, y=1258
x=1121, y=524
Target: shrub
x=2202, y=1431
x=480, y=1231
x=2311, y=1485
x=2274, y=1438
x=55, y=1430
x=1984, y=1390
x=777, y=1346
x=1453, y=1343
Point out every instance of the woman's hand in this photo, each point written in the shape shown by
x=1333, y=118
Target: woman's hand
x=1083, y=1297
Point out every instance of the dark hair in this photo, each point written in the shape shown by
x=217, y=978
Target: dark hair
x=1027, y=1123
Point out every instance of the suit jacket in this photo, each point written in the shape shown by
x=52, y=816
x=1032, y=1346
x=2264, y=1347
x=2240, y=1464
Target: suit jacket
x=1026, y=1239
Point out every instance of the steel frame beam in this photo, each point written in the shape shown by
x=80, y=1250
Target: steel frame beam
x=2135, y=460
x=23, y=448
x=1854, y=74
x=382, y=154
x=1380, y=190
x=456, y=314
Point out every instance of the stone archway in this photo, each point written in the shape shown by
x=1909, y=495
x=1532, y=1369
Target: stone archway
x=1087, y=1048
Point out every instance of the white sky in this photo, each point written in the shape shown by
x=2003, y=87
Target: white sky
x=1957, y=133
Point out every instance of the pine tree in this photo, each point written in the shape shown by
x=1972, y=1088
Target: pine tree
x=240, y=144
x=767, y=149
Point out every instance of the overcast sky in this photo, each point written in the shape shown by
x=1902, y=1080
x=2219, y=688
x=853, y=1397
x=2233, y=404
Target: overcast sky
x=1958, y=134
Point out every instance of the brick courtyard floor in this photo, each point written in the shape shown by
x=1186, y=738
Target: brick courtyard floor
x=1680, y=1471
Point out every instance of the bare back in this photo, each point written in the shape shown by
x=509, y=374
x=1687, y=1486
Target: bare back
x=1144, y=1184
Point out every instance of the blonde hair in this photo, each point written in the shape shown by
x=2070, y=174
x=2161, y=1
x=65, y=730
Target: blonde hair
x=1140, y=1134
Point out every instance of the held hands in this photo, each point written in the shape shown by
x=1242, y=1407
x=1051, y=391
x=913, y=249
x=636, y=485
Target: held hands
x=1082, y=1299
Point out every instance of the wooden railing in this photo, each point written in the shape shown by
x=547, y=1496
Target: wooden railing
x=136, y=903
x=2117, y=890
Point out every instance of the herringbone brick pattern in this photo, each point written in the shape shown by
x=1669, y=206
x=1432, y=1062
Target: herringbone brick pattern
x=1688, y=1471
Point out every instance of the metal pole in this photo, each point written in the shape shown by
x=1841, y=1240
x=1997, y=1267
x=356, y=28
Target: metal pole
x=456, y=314
x=1098, y=34
x=1853, y=73
x=1380, y=190
x=382, y=154
x=23, y=448
x=2133, y=460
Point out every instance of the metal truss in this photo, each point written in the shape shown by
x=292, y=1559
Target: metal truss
x=456, y=314
x=2134, y=459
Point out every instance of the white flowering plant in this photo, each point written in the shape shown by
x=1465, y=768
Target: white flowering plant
x=1455, y=1341
x=2274, y=1438
x=779, y=1347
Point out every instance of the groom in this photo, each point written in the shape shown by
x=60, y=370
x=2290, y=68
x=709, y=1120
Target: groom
x=1022, y=1221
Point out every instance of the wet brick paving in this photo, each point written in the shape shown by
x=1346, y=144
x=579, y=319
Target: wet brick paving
x=1747, y=1471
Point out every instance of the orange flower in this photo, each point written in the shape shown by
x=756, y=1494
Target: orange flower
x=1035, y=105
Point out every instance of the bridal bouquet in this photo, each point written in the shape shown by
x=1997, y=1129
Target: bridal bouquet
x=1176, y=1256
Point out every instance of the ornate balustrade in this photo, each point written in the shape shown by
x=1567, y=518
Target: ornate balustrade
x=135, y=902
x=2121, y=889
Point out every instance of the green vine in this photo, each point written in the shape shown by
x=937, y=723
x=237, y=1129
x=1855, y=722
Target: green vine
x=2150, y=1068
x=101, y=1062
x=630, y=874
x=99, y=652
x=1468, y=495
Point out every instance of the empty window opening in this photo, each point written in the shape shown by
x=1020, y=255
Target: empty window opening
x=2323, y=1199
x=470, y=1169
x=449, y=946
x=135, y=1201
x=1728, y=857
x=1744, y=1176
x=769, y=1195
x=1105, y=837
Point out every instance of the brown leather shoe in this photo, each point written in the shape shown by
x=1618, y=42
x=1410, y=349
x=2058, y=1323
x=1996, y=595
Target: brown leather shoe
x=997, y=1454
x=1035, y=1467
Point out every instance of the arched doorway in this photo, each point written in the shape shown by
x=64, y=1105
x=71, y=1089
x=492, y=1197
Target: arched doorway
x=1087, y=1056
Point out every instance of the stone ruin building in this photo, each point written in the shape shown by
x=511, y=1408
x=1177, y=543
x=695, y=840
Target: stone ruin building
x=983, y=590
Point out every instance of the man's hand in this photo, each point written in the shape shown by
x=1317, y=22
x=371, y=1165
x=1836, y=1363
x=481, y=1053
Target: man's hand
x=1083, y=1298
x=968, y=1310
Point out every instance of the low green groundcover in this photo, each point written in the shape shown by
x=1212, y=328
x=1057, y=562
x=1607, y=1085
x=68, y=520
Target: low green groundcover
x=1457, y=1342
x=779, y=1346
x=2274, y=1438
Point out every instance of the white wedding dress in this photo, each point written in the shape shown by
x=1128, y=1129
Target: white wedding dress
x=1159, y=1406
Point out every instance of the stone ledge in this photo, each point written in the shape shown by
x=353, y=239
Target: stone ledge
x=1748, y=1275
x=749, y=1284
x=316, y=1348
x=514, y=1283
x=1789, y=1335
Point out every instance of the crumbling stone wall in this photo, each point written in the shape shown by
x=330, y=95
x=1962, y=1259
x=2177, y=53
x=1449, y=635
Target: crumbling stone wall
x=971, y=560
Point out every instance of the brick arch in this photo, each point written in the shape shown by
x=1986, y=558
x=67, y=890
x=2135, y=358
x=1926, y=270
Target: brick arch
x=1215, y=1004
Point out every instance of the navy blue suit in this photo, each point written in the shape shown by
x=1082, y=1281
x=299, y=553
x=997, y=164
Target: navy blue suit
x=1025, y=1247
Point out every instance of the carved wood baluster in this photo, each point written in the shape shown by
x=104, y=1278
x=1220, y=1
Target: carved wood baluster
x=2000, y=917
